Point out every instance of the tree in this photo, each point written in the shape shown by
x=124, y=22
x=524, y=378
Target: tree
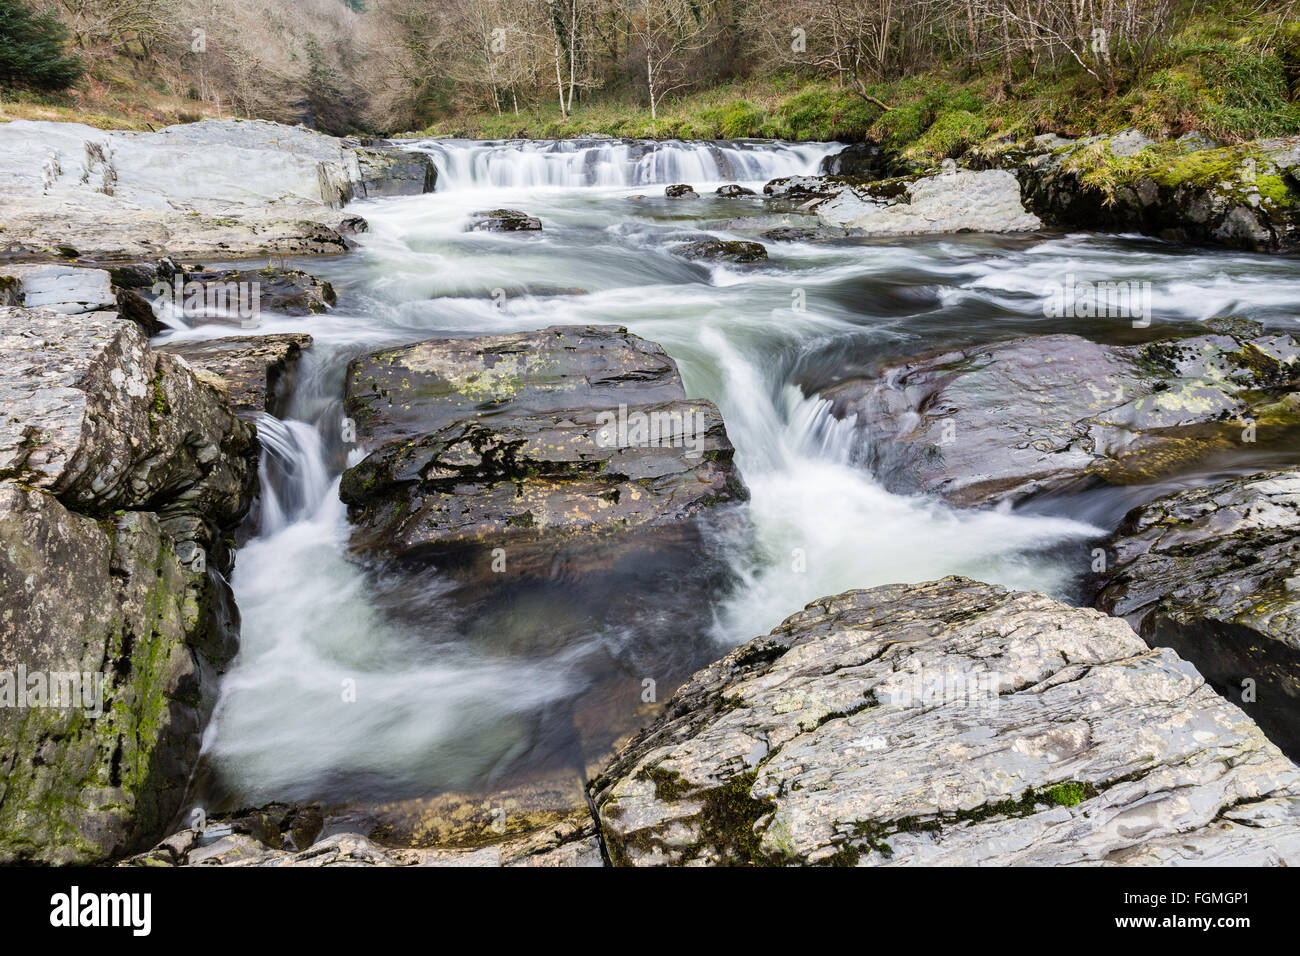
x=31, y=49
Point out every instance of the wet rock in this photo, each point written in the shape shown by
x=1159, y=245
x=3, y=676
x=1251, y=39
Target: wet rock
x=1246, y=196
x=721, y=250
x=208, y=189
x=539, y=443
x=286, y=291
x=255, y=372
x=801, y=188
x=732, y=191
x=950, y=723
x=503, y=220
x=392, y=171
x=1014, y=419
x=568, y=843
x=866, y=162
x=792, y=234
x=960, y=201
x=681, y=191
x=1214, y=573
x=120, y=476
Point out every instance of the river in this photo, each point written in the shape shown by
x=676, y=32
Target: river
x=362, y=688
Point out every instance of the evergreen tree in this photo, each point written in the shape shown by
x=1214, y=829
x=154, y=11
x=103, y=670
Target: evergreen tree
x=31, y=49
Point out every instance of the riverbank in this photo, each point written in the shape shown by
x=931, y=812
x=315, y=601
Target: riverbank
x=1225, y=82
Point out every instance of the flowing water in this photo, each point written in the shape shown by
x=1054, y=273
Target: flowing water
x=355, y=685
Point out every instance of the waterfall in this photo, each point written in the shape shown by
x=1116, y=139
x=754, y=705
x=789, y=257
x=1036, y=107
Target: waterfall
x=466, y=164
x=294, y=477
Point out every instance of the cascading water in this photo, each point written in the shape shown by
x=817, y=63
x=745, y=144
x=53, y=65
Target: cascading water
x=575, y=163
x=360, y=685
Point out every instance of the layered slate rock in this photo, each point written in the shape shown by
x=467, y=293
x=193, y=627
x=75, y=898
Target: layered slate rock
x=529, y=442
x=1018, y=418
x=207, y=189
x=950, y=723
x=1214, y=572
x=121, y=475
x=255, y=372
x=1245, y=196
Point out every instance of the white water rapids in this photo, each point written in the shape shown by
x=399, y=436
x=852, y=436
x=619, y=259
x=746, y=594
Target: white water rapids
x=454, y=697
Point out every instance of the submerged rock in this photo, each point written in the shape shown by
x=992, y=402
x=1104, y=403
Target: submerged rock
x=255, y=372
x=721, y=250
x=1214, y=573
x=214, y=188
x=681, y=191
x=950, y=723
x=120, y=476
x=564, y=445
x=1014, y=419
x=503, y=220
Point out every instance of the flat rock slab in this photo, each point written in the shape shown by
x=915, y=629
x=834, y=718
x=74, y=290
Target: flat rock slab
x=254, y=371
x=1017, y=418
x=62, y=288
x=950, y=723
x=529, y=440
x=217, y=187
x=1214, y=572
x=962, y=201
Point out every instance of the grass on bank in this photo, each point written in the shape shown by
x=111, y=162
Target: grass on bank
x=1230, y=83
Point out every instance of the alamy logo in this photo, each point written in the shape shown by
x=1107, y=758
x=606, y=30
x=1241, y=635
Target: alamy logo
x=65, y=690
x=240, y=300
x=75, y=909
x=679, y=428
x=1080, y=299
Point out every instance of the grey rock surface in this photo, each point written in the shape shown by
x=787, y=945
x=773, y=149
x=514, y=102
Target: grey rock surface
x=1017, y=418
x=949, y=723
x=213, y=188
x=121, y=475
x=516, y=441
x=1214, y=572
x=255, y=372
x=960, y=201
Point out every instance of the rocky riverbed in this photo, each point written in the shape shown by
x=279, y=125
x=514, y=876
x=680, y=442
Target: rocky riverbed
x=453, y=549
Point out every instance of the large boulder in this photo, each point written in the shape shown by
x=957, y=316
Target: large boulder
x=1214, y=573
x=208, y=189
x=1192, y=190
x=957, y=201
x=538, y=442
x=121, y=476
x=1017, y=418
x=951, y=723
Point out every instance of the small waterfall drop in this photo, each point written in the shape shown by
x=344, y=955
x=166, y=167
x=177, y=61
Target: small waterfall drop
x=464, y=164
